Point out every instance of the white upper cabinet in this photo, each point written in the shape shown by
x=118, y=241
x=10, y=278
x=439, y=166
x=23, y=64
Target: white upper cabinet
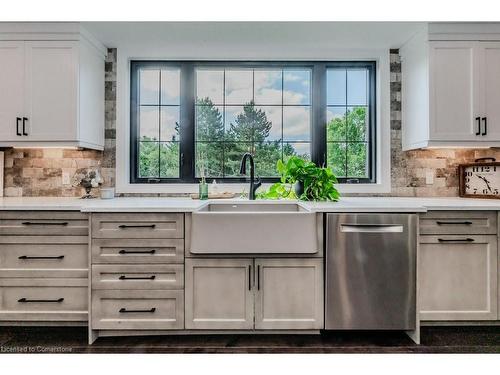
x=451, y=93
x=490, y=62
x=11, y=90
x=454, y=96
x=52, y=92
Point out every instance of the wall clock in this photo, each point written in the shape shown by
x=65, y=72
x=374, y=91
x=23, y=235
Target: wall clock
x=480, y=179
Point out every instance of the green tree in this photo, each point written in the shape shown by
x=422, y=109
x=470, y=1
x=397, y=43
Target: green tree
x=251, y=125
x=158, y=159
x=347, y=148
x=249, y=133
x=209, y=136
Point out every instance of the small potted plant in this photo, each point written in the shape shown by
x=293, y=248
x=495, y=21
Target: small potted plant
x=87, y=179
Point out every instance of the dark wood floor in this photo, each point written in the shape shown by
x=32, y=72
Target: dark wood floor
x=74, y=340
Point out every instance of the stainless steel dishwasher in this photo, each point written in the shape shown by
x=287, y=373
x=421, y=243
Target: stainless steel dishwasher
x=371, y=271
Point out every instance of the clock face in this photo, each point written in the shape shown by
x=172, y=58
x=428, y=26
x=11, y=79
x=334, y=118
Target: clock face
x=481, y=180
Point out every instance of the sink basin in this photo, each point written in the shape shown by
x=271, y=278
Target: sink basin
x=255, y=228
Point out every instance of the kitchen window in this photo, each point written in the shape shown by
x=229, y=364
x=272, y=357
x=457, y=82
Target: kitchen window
x=195, y=119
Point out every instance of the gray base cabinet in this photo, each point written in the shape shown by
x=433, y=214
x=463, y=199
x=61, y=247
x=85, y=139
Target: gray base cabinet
x=239, y=294
x=44, y=267
x=290, y=294
x=458, y=280
x=219, y=294
x=137, y=272
x=458, y=267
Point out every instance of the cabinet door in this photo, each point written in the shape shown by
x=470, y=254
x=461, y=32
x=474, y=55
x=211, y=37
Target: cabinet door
x=51, y=91
x=454, y=91
x=219, y=294
x=490, y=89
x=457, y=277
x=289, y=294
x=12, y=89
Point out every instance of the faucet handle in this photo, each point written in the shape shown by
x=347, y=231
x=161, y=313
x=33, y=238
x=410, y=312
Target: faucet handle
x=258, y=182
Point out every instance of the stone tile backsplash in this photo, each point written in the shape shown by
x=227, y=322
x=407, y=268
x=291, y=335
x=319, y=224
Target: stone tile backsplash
x=46, y=172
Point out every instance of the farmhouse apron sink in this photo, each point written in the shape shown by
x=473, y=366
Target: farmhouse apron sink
x=254, y=228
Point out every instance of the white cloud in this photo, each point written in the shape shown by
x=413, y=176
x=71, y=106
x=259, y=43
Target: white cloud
x=209, y=83
x=267, y=86
x=239, y=84
x=293, y=97
x=170, y=86
x=149, y=122
x=296, y=123
x=149, y=86
x=273, y=115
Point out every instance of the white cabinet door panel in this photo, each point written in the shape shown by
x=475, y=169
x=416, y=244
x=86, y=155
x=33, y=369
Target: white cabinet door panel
x=454, y=92
x=491, y=90
x=457, y=277
x=11, y=89
x=219, y=294
x=289, y=294
x=52, y=90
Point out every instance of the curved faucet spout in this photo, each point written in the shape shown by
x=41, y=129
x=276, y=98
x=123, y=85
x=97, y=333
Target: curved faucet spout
x=243, y=170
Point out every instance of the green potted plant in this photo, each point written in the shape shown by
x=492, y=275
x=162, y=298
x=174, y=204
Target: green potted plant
x=304, y=180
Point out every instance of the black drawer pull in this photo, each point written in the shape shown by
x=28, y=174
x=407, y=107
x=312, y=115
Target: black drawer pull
x=18, y=132
x=151, y=310
x=137, y=251
x=24, y=125
x=258, y=277
x=123, y=277
x=62, y=223
x=124, y=226
x=456, y=240
x=25, y=300
x=249, y=277
x=56, y=257
x=454, y=222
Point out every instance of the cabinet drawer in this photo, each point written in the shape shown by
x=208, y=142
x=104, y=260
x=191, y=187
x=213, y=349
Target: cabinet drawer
x=138, y=251
x=138, y=277
x=138, y=309
x=458, y=222
x=43, y=223
x=43, y=303
x=43, y=260
x=138, y=225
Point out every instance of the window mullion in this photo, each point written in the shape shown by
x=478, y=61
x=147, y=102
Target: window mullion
x=318, y=131
x=187, y=118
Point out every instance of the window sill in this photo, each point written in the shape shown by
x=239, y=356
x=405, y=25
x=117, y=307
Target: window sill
x=236, y=188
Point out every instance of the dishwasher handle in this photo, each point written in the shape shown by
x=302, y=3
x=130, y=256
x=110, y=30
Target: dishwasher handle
x=371, y=228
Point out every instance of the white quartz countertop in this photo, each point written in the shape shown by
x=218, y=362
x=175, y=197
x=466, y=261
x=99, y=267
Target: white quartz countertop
x=346, y=204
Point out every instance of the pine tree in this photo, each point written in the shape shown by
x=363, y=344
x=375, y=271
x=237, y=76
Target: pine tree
x=209, y=136
x=251, y=125
x=249, y=133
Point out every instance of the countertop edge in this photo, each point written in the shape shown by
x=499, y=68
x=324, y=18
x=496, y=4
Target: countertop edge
x=156, y=205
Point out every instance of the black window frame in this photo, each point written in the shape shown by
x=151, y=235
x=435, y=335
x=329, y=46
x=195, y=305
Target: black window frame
x=318, y=107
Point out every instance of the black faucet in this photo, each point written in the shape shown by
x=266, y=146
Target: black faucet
x=243, y=170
